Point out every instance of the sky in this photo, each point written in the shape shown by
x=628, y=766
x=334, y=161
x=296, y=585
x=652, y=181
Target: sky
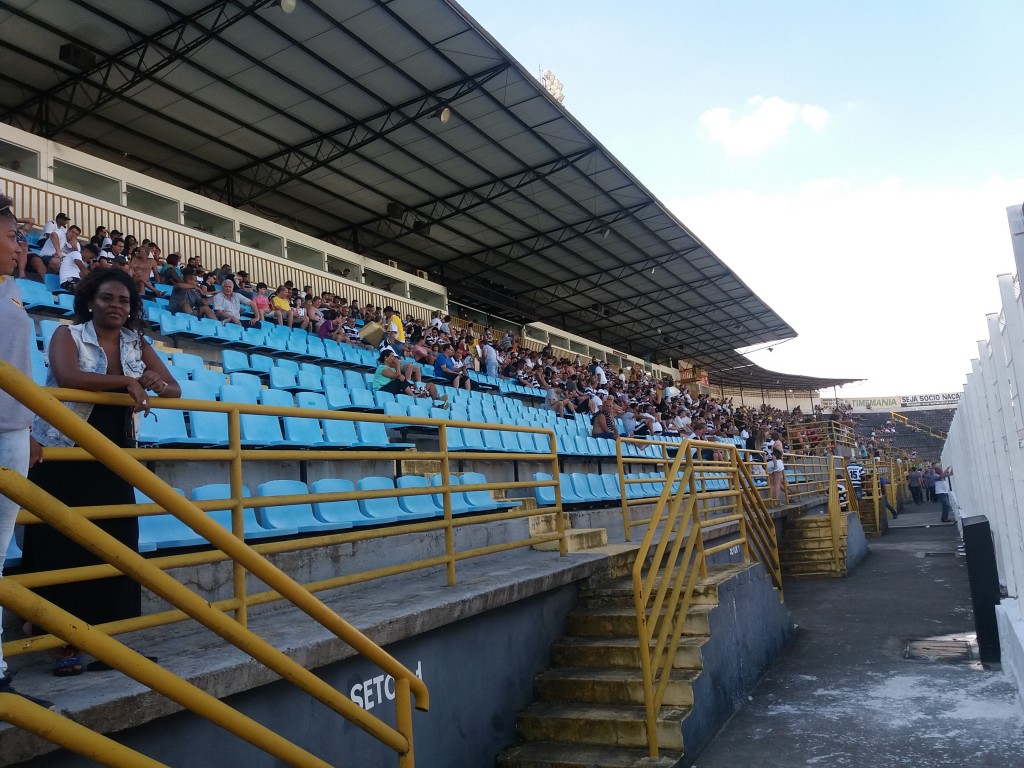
x=850, y=160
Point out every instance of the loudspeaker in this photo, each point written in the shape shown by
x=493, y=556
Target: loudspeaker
x=984, y=581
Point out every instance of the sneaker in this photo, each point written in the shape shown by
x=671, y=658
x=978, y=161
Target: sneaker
x=6, y=687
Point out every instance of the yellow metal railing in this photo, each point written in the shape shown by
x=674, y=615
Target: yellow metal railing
x=918, y=426
x=836, y=512
x=815, y=436
x=228, y=546
x=699, y=497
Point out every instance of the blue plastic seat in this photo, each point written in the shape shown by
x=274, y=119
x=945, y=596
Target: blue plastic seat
x=339, y=433
x=424, y=505
x=340, y=512
x=362, y=400
x=581, y=486
x=46, y=329
x=283, y=379
x=333, y=377
x=300, y=516
x=257, y=430
x=212, y=379
x=310, y=380
x=37, y=298
x=337, y=398
x=315, y=349
x=460, y=506
x=472, y=440
x=372, y=434
x=386, y=507
x=164, y=427
x=65, y=305
x=251, y=526
x=247, y=381
x=164, y=531
x=234, y=360
x=292, y=366
x=483, y=499
x=354, y=380
x=229, y=335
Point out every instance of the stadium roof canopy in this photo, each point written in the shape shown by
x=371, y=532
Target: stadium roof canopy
x=328, y=119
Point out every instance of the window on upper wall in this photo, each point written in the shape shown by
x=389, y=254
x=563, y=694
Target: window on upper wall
x=19, y=159
x=303, y=254
x=251, y=237
x=144, y=201
x=343, y=268
x=87, y=182
x=422, y=295
x=384, y=282
x=210, y=223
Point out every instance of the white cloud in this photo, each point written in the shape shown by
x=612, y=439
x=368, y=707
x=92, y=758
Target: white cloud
x=889, y=280
x=766, y=123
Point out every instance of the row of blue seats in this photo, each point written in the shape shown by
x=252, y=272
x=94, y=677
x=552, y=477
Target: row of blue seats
x=168, y=427
x=167, y=531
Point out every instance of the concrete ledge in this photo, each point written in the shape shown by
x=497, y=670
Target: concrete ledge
x=1011, y=641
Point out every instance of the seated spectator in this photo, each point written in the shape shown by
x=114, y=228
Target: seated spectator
x=142, y=268
x=54, y=239
x=242, y=284
x=446, y=368
x=604, y=421
x=348, y=333
x=171, y=273
x=186, y=298
x=327, y=328
x=227, y=304
x=280, y=306
x=389, y=378
x=260, y=304
x=299, y=315
x=74, y=264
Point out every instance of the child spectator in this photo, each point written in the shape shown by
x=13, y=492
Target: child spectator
x=260, y=304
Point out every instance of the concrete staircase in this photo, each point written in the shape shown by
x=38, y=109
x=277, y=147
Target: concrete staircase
x=806, y=548
x=589, y=706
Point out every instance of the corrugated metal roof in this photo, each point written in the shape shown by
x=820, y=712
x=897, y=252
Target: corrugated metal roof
x=321, y=117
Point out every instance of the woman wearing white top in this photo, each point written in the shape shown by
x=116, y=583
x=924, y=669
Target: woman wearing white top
x=72, y=266
x=777, y=476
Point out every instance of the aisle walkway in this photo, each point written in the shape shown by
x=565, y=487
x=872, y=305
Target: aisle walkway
x=843, y=693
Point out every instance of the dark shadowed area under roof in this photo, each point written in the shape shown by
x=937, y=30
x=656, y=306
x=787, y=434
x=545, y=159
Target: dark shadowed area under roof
x=320, y=118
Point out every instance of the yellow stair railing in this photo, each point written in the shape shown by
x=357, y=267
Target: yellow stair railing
x=698, y=496
x=69, y=629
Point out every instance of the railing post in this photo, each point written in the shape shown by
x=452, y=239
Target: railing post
x=563, y=545
x=238, y=574
x=741, y=502
x=622, y=488
x=403, y=721
x=446, y=497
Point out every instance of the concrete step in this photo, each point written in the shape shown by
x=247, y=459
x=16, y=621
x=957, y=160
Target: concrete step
x=808, y=521
x=619, y=726
x=620, y=593
x=808, y=534
x=816, y=575
x=616, y=652
x=614, y=621
x=588, y=685
x=811, y=569
x=559, y=754
x=809, y=556
x=810, y=544
x=548, y=523
x=577, y=540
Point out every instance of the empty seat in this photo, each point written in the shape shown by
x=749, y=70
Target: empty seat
x=164, y=427
x=385, y=507
x=251, y=526
x=300, y=516
x=164, y=531
x=424, y=505
x=372, y=434
x=482, y=499
x=340, y=512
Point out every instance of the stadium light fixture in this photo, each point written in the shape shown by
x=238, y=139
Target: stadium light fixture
x=443, y=113
x=605, y=230
x=287, y=6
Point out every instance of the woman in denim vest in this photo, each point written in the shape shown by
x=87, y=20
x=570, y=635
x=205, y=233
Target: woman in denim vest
x=104, y=351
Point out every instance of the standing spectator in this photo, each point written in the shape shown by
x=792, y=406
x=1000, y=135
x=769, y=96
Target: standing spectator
x=17, y=450
x=72, y=265
x=777, y=476
x=856, y=472
x=489, y=357
x=104, y=351
x=914, y=484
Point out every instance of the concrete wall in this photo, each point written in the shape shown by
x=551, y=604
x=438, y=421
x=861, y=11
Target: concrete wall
x=856, y=542
x=748, y=629
x=480, y=673
x=1011, y=640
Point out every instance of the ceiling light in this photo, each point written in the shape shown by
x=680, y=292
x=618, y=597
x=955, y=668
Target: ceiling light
x=287, y=6
x=605, y=231
x=395, y=210
x=445, y=114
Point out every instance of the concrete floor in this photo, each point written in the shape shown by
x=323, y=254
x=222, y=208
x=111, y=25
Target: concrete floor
x=842, y=694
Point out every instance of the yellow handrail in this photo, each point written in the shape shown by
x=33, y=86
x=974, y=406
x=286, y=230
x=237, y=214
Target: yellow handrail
x=87, y=534
x=672, y=559
x=21, y=713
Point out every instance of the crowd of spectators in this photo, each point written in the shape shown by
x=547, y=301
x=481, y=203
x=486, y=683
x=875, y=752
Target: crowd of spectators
x=627, y=402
